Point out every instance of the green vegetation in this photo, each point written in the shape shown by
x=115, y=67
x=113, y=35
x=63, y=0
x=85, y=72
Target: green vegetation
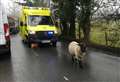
x=97, y=36
x=105, y=34
x=102, y=33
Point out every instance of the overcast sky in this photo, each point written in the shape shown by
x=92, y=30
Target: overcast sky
x=12, y=7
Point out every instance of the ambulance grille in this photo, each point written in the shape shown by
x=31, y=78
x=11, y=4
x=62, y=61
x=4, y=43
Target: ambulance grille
x=43, y=35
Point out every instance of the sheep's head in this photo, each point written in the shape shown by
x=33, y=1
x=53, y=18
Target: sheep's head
x=82, y=46
x=82, y=56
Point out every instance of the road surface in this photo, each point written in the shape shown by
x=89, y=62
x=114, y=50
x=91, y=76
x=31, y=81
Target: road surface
x=48, y=64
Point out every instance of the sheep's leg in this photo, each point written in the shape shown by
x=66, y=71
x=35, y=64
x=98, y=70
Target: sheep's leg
x=80, y=63
x=73, y=59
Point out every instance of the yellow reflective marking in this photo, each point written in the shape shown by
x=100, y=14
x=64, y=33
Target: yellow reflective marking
x=42, y=28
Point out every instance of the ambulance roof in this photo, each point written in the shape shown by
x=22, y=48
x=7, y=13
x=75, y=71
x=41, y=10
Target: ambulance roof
x=36, y=11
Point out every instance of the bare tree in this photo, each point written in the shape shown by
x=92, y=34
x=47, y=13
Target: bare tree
x=109, y=11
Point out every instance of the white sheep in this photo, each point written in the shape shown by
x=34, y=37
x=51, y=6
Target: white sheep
x=77, y=51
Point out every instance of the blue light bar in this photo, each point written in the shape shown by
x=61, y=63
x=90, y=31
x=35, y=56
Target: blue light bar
x=50, y=33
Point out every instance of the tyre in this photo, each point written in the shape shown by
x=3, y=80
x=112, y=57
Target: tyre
x=54, y=44
x=23, y=41
x=29, y=44
x=26, y=42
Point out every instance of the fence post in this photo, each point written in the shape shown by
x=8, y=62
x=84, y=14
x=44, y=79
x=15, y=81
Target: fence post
x=106, y=38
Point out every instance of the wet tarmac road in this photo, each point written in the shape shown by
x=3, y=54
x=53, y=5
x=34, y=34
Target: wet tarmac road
x=48, y=64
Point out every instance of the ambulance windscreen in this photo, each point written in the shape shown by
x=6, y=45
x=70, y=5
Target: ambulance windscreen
x=39, y=20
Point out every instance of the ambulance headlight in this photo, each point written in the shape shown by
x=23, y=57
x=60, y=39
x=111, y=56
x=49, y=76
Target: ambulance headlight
x=32, y=32
x=55, y=31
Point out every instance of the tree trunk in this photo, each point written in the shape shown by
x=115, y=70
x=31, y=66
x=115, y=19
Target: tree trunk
x=65, y=29
x=72, y=28
x=86, y=28
x=72, y=19
x=79, y=32
x=86, y=32
x=85, y=19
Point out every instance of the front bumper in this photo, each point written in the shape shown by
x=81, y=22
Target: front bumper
x=42, y=37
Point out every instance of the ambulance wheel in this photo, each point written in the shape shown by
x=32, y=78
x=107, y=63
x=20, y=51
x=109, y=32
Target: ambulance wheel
x=23, y=41
x=29, y=45
x=54, y=44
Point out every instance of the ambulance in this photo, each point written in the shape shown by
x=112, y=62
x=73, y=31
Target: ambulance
x=37, y=26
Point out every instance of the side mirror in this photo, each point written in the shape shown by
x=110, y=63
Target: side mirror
x=21, y=23
x=56, y=24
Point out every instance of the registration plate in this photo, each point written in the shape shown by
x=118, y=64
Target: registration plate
x=45, y=41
